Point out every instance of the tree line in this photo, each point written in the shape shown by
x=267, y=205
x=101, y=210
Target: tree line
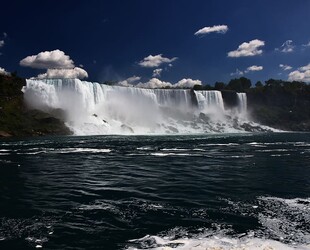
x=244, y=84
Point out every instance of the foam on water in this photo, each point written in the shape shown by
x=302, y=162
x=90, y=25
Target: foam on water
x=215, y=242
x=284, y=226
x=93, y=108
x=67, y=151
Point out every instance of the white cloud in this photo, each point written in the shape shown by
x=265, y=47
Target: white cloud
x=237, y=73
x=155, y=61
x=306, y=45
x=157, y=72
x=1, y=43
x=305, y=68
x=249, y=69
x=286, y=47
x=254, y=68
x=155, y=83
x=248, y=49
x=187, y=83
x=302, y=74
x=64, y=73
x=129, y=81
x=5, y=35
x=55, y=59
x=216, y=28
x=285, y=67
x=4, y=72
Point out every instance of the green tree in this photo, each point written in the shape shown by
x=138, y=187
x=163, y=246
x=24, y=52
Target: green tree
x=239, y=84
x=219, y=86
x=259, y=84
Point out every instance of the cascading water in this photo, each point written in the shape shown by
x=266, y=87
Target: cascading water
x=242, y=103
x=93, y=108
x=209, y=100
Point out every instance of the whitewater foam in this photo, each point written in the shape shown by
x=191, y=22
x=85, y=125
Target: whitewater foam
x=215, y=242
x=284, y=226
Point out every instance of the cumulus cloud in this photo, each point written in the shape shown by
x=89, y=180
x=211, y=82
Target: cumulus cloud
x=187, y=83
x=64, y=73
x=155, y=83
x=4, y=72
x=248, y=49
x=1, y=43
x=55, y=59
x=5, y=35
x=57, y=63
x=216, y=28
x=129, y=81
x=157, y=72
x=286, y=47
x=285, y=67
x=302, y=74
x=155, y=61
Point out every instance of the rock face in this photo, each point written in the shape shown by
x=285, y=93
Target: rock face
x=230, y=99
x=4, y=134
x=17, y=120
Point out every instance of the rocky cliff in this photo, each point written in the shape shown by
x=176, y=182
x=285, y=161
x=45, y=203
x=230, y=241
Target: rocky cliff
x=17, y=120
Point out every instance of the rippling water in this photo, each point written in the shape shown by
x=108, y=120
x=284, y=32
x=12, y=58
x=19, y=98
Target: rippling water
x=238, y=191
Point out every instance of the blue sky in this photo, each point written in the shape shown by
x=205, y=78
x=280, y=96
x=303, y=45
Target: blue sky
x=110, y=39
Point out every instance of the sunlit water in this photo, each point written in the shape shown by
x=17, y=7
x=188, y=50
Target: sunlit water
x=221, y=191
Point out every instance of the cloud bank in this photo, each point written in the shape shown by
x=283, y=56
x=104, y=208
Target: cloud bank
x=155, y=61
x=222, y=29
x=251, y=48
x=155, y=83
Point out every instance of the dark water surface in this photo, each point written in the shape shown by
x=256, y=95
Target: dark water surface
x=102, y=192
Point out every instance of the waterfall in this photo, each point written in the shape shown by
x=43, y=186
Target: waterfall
x=209, y=99
x=93, y=108
x=242, y=103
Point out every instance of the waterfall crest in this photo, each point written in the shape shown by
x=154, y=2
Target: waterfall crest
x=93, y=108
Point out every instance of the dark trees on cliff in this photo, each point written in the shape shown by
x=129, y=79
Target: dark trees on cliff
x=239, y=84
